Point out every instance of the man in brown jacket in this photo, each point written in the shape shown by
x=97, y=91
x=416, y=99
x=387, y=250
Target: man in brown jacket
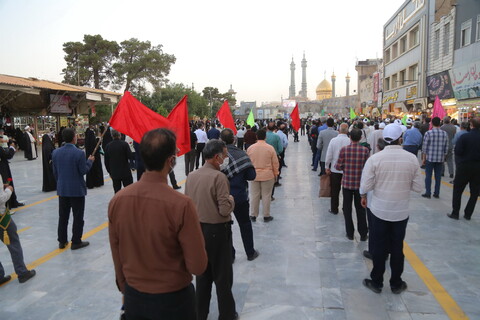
x=155, y=238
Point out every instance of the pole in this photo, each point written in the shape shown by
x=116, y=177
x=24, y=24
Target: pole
x=99, y=141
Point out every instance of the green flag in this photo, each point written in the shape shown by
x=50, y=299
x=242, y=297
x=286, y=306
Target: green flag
x=322, y=113
x=404, y=120
x=352, y=114
x=251, y=119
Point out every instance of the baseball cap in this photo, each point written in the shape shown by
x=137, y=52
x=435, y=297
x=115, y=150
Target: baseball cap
x=392, y=132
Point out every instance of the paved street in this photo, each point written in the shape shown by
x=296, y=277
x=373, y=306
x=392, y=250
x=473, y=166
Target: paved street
x=307, y=268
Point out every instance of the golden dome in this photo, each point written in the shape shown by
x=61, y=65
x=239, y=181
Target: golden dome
x=324, y=86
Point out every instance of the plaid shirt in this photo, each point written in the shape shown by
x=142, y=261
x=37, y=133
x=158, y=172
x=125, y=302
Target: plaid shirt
x=351, y=160
x=435, y=145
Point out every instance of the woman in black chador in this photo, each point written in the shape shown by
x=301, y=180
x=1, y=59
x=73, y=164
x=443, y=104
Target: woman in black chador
x=49, y=182
x=95, y=175
x=107, y=137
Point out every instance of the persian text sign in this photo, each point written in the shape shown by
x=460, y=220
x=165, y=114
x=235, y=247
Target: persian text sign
x=466, y=80
x=440, y=85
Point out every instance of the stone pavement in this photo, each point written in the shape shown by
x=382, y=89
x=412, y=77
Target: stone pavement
x=307, y=268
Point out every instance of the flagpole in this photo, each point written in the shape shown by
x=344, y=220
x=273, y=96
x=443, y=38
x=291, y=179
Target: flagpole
x=99, y=141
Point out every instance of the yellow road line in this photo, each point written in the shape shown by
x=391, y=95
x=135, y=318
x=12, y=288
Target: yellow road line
x=182, y=182
x=452, y=309
x=35, y=203
x=24, y=229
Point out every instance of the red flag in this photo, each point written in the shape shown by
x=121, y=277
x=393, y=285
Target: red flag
x=225, y=117
x=134, y=119
x=178, y=118
x=295, y=118
x=438, y=110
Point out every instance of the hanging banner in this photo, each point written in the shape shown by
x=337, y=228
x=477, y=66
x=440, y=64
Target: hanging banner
x=466, y=80
x=440, y=85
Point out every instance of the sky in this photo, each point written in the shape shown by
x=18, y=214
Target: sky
x=247, y=44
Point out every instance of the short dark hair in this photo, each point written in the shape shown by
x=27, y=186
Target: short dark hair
x=212, y=148
x=227, y=136
x=248, y=127
x=356, y=134
x=475, y=123
x=156, y=146
x=68, y=134
x=271, y=126
x=116, y=134
x=465, y=125
x=359, y=124
x=436, y=121
x=261, y=134
x=330, y=122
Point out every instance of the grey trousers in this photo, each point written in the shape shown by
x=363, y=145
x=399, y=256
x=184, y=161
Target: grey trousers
x=15, y=249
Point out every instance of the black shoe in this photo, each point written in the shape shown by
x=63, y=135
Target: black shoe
x=400, y=288
x=453, y=216
x=422, y=167
x=364, y=238
x=332, y=212
x=436, y=196
x=451, y=175
x=253, y=218
x=80, y=245
x=370, y=285
x=280, y=177
x=467, y=218
x=367, y=254
x=235, y=316
x=26, y=276
x=253, y=256
x=272, y=199
x=314, y=169
x=62, y=245
x=5, y=279
x=20, y=204
x=426, y=196
x=349, y=237
x=285, y=166
x=267, y=219
x=277, y=184
x=176, y=187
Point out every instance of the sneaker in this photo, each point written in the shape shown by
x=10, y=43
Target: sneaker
x=26, y=276
x=399, y=289
x=5, y=279
x=267, y=219
x=253, y=218
x=253, y=256
x=80, y=245
x=372, y=286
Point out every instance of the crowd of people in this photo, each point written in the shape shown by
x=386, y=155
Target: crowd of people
x=172, y=236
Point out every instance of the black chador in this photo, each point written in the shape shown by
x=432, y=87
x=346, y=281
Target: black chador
x=49, y=182
x=95, y=175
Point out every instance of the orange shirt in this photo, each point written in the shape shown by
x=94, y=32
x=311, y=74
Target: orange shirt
x=264, y=159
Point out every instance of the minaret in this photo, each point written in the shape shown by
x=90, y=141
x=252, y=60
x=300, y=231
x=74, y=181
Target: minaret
x=291, y=94
x=303, y=93
x=334, y=78
x=347, y=79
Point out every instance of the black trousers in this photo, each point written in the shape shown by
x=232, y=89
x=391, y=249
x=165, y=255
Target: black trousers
x=173, y=180
x=117, y=183
x=199, y=150
x=242, y=214
x=349, y=196
x=387, y=236
x=179, y=305
x=77, y=205
x=190, y=161
x=467, y=173
x=218, y=243
x=336, y=186
x=240, y=143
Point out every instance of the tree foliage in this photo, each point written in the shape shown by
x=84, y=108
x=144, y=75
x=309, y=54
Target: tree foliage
x=216, y=99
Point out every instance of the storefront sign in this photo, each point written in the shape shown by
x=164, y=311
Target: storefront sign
x=440, y=85
x=390, y=97
x=63, y=122
x=466, y=81
x=411, y=92
x=59, y=104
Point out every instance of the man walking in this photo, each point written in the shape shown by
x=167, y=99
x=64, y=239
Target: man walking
x=450, y=129
x=249, y=138
x=69, y=167
x=190, y=155
x=323, y=140
x=117, y=162
x=351, y=160
x=467, y=156
x=412, y=139
x=201, y=140
x=331, y=158
x=435, y=147
x=390, y=176
x=164, y=224
x=210, y=191
x=240, y=170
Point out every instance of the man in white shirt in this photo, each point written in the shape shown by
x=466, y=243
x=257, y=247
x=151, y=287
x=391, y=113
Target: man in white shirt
x=373, y=138
x=391, y=175
x=331, y=158
x=201, y=140
x=240, y=135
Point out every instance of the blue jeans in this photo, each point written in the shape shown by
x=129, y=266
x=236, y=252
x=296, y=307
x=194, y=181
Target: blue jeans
x=429, y=168
x=316, y=159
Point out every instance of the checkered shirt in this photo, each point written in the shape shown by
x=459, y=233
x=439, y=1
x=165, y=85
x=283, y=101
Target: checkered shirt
x=435, y=145
x=351, y=160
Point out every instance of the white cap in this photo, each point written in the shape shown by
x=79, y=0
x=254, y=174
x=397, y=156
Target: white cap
x=27, y=128
x=387, y=120
x=381, y=125
x=397, y=122
x=392, y=132
x=365, y=120
x=409, y=121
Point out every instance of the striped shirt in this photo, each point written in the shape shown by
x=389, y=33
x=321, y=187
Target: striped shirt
x=351, y=160
x=435, y=145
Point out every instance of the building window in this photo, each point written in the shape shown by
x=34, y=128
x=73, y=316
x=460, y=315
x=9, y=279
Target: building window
x=436, y=45
x=466, y=33
x=394, y=81
x=478, y=27
x=387, y=84
x=402, y=77
x=395, y=50
x=414, y=37
x=403, y=44
x=446, y=38
x=387, y=55
x=413, y=72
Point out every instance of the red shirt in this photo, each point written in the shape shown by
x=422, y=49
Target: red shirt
x=351, y=160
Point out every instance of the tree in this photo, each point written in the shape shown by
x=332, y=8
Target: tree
x=216, y=99
x=139, y=62
x=90, y=63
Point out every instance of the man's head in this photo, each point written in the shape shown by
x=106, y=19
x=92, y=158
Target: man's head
x=475, y=123
x=116, y=135
x=355, y=135
x=248, y=127
x=416, y=124
x=436, y=122
x=271, y=126
x=330, y=122
x=446, y=120
x=343, y=128
x=158, y=148
x=227, y=136
x=69, y=136
x=261, y=134
x=219, y=126
x=215, y=152
x=392, y=134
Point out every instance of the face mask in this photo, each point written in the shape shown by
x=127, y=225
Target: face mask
x=224, y=164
